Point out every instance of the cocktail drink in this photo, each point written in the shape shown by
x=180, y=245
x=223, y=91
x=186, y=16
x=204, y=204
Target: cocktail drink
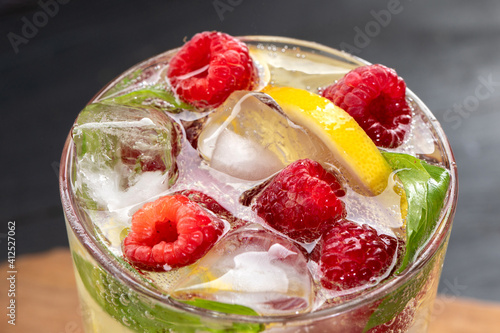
x=257, y=184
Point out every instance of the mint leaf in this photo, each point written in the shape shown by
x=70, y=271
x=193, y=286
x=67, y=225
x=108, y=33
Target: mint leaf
x=396, y=301
x=140, y=314
x=232, y=309
x=425, y=187
x=154, y=97
x=222, y=307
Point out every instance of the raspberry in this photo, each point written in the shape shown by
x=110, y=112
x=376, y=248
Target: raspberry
x=301, y=201
x=353, y=255
x=209, y=67
x=170, y=232
x=375, y=97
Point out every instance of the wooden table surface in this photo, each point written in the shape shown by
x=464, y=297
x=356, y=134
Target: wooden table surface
x=47, y=302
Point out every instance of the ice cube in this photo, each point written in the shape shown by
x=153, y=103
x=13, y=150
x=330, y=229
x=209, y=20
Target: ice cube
x=382, y=212
x=250, y=138
x=243, y=158
x=124, y=155
x=309, y=72
x=421, y=139
x=254, y=268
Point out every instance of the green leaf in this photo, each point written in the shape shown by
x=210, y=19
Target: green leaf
x=396, y=301
x=231, y=309
x=222, y=307
x=425, y=187
x=153, y=97
x=142, y=315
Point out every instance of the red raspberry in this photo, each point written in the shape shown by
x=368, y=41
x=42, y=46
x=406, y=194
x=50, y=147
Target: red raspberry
x=353, y=255
x=209, y=67
x=375, y=97
x=301, y=201
x=171, y=231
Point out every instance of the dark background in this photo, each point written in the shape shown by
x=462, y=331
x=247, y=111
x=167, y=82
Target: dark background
x=447, y=51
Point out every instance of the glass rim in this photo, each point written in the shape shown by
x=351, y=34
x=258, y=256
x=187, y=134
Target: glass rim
x=94, y=247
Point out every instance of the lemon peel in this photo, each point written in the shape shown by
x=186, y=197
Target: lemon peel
x=347, y=141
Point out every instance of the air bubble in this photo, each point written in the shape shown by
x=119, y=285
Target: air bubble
x=133, y=299
x=102, y=276
x=114, y=301
x=109, y=299
x=148, y=315
x=100, y=288
x=114, y=289
x=124, y=299
x=126, y=321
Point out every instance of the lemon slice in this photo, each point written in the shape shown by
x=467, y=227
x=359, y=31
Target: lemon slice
x=347, y=141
